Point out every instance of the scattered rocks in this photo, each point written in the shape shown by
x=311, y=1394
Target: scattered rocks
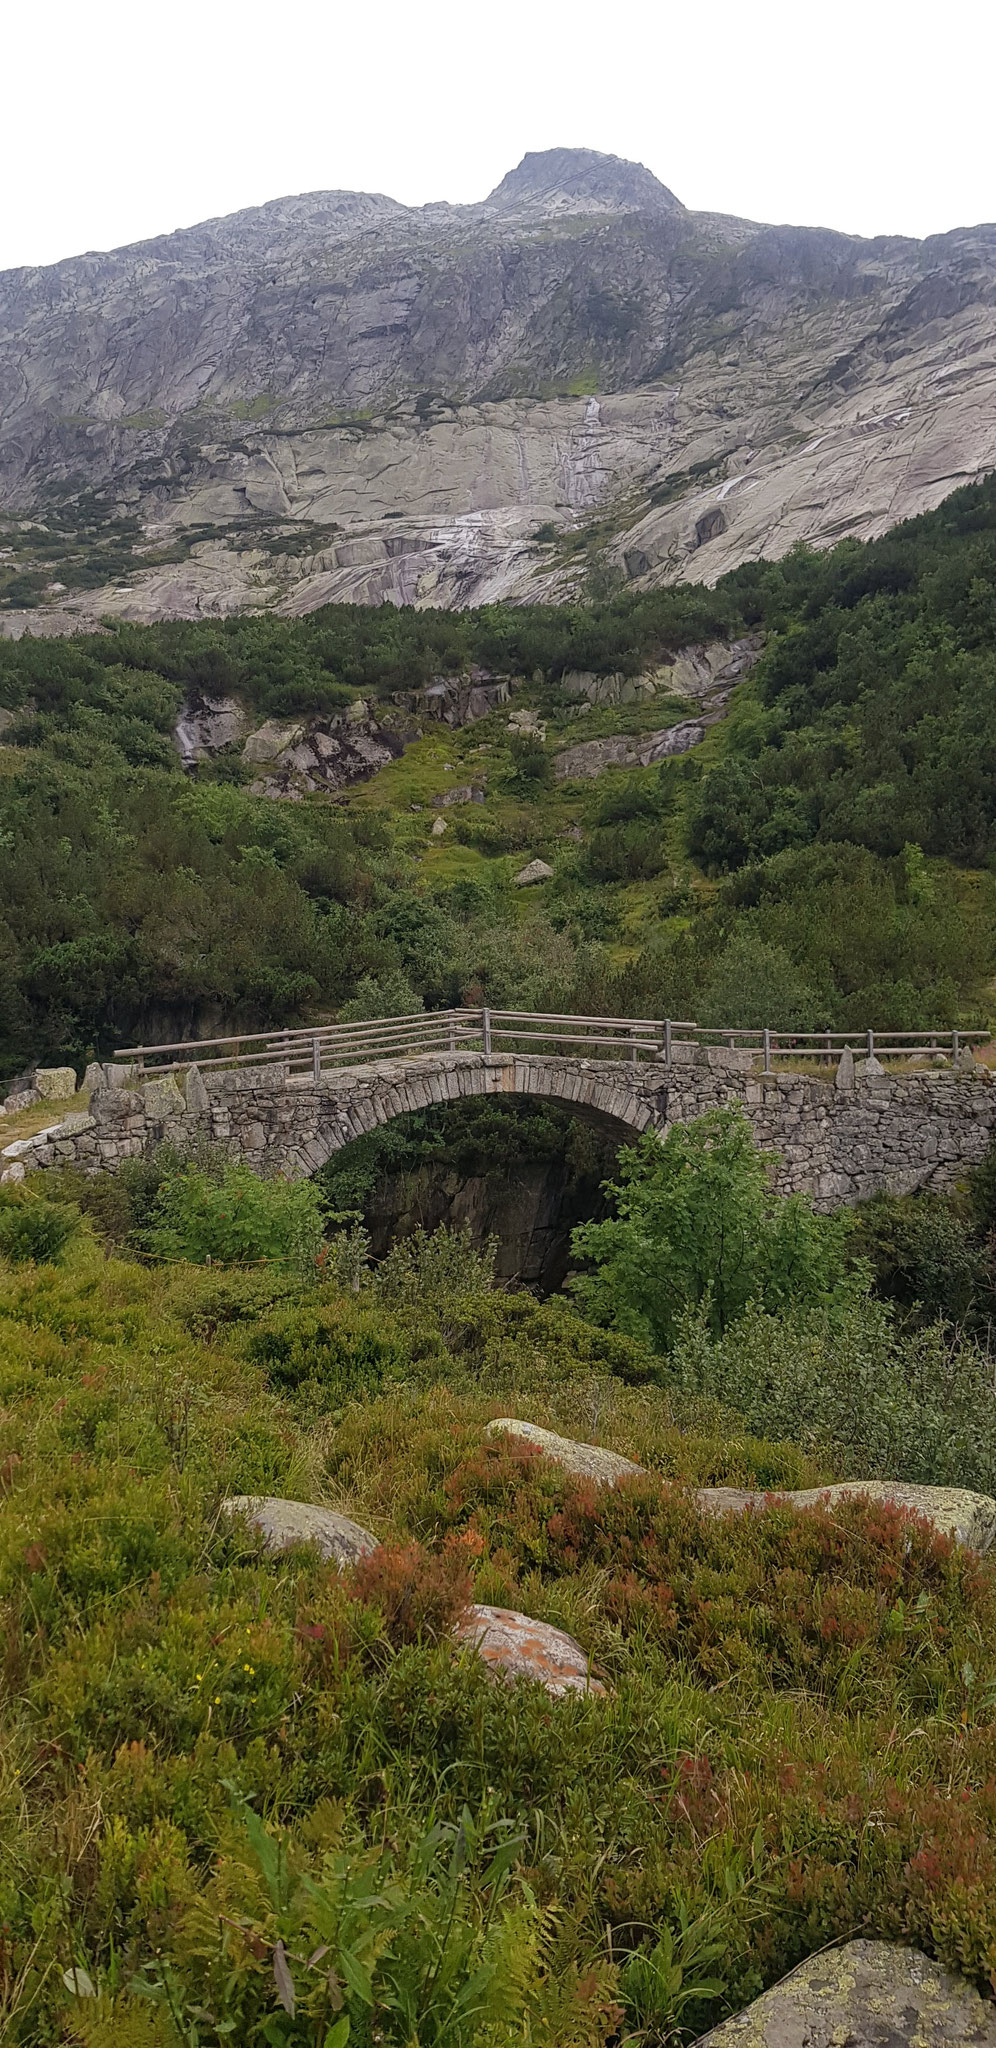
x=55, y=1084
x=534, y=871
x=515, y=1646
x=468, y=793
x=588, y=1461
x=284, y=1522
x=867, y=1994
x=969, y=1517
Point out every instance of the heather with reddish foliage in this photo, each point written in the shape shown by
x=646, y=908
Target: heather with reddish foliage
x=219, y=1764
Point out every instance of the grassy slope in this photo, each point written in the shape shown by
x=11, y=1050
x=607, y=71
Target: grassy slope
x=796, y=1742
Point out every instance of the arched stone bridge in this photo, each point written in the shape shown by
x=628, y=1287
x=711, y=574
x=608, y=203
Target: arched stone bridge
x=839, y=1140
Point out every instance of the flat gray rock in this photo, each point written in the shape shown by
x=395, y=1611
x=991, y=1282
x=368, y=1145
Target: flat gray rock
x=969, y=1517
x=283, y=1522
x=589, y=1461
x=868, y=1994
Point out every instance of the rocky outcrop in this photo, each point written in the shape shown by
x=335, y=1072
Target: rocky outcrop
x=585, y=1461
x=970, y=1518
x=867, y=1994
x=284, y=1522
x=591, y=757
x=706, y=674
x=513, y=1646
x=278, y=400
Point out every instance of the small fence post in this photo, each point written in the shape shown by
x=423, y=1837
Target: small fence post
x=486, y=1031
x=667, y=1040
x=955, y=1044
x=871, y=1045
x=452, y=1032
x=767, y=1050
x=633, y=1054
x=316, y=1058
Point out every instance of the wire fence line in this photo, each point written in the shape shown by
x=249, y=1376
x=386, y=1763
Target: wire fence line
x=319, y=1048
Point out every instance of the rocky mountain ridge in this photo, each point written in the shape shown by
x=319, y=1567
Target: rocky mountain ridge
x=336, y=397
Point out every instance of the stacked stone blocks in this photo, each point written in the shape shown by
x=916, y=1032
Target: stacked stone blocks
x=836, y=1143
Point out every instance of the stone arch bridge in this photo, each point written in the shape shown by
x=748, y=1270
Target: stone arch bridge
x=907, y=1114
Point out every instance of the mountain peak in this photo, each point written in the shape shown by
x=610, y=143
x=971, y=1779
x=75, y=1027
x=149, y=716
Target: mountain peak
x=581, y=181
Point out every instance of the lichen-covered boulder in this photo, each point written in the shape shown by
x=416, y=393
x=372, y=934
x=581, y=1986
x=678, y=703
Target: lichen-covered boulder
x=969, y=1517
x=283, y=1522
x=589, y=1461
x=868, y=1994
x=515, y=1646
x=162, y=1098
x=55, y=1084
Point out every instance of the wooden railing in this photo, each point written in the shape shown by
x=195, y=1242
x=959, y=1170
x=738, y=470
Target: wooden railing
x=316, y=1049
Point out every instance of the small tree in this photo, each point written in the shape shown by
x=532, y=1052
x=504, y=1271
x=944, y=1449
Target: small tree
x=698, y=1224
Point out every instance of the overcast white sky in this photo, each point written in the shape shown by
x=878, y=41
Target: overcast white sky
x=124, y=119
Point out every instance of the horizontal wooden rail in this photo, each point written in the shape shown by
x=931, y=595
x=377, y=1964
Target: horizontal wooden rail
x=320, y=1047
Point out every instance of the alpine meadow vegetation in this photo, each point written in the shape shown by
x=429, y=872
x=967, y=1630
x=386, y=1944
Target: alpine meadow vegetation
x=248, y=1796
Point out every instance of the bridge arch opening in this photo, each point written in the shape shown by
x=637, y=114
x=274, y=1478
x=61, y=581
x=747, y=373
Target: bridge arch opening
x=520, y=1168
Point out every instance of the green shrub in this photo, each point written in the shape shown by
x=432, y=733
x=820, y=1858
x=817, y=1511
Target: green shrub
x=35, y=1229
x=927, y=1256
x=698, y=1225
x=339, y=1353
x=885, y=1401
x=237, y=1219
x=432, y=1270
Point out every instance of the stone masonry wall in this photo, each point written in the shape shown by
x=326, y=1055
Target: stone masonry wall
x=839, y=1141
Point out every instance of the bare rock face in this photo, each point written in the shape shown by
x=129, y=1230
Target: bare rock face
x=588, y=1461
x=534, y=871
x=277, y=399
x=867, y=1994
x=591, y=757
x=206, y=726
x=283, y=1522
x=514, y=1646
x=969, y=1517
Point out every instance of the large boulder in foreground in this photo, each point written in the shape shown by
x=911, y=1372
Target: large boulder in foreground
x=969, y=1517
x=588, y=1461
x=867, y=1994
x=515, y=1646
x=283, y=1522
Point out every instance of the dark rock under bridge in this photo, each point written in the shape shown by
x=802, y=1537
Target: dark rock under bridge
x=287, y=1102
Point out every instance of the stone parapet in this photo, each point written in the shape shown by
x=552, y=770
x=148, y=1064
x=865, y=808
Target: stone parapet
x=880, y=1132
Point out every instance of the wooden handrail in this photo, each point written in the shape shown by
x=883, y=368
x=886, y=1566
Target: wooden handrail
x=423, y=1031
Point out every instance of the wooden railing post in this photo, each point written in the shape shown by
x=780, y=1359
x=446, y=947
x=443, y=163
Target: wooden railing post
x=767, y=1050
x=452, y=1032
x=316, y=1058
x=667, y=1041
x=955, y=1044
x=871, y=1045
x=486, y=1031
